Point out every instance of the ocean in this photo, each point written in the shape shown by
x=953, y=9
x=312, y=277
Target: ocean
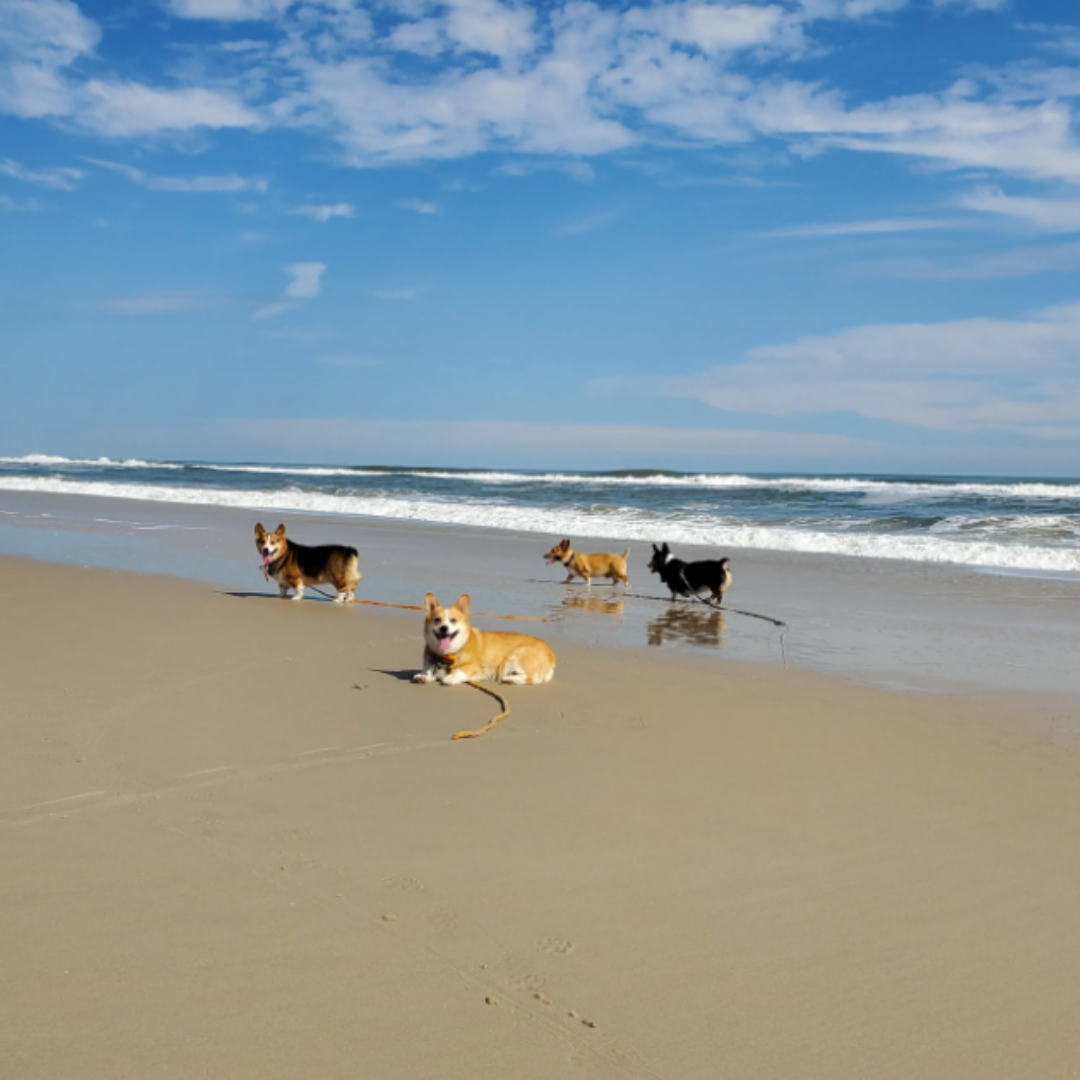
x=1028, y=526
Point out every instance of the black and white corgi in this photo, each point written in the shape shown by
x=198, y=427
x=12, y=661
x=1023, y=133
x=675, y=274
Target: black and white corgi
x=712, y=576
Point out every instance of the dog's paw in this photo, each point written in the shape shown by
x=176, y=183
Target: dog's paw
x=423, y=677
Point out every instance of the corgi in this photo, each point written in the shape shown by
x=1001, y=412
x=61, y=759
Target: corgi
x=293, y=565
x=589, y=566
x=455, y=652
x=694, y=578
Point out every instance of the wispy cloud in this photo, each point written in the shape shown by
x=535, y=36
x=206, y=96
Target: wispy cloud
x=323, y=212
x=62, y=178
x=974, y=5
x=590, y=223
x=162, y=302
x=968, y=375
x=229, y=183
x=419, y=206
x=1053, y=215
x=17, y=205
x=868, y=228
x=227, y=10
x=581, y=171
x=983, y=266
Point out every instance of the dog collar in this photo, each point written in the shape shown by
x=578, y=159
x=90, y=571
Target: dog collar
x=446, y=660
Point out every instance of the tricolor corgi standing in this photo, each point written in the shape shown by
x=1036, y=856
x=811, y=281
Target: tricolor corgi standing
x=293, y=565
x=455, y=652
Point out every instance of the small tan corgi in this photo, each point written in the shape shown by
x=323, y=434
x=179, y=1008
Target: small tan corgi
x=585, y=566
x=455, y=652
x=293, y=565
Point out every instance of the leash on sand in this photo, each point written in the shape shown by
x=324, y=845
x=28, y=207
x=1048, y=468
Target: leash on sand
x=451, y=662
x=419, y=607
x=493, y=721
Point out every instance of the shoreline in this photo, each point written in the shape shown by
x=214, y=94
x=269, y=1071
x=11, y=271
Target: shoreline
x=913, y=627
x=223, y=859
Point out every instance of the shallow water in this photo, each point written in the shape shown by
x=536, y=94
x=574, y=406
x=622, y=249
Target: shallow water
x=1012, y=525
x=903, y=625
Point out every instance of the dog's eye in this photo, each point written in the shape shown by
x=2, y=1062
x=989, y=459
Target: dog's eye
x=453, y=622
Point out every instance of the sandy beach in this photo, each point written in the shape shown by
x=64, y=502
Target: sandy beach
x=221, y=858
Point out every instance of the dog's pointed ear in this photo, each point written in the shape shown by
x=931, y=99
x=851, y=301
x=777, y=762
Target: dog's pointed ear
x=431, y=602
x=280, y=531
x=259, y=530
x=656, y=549
x=666, y=549
x=564, y=544
x=462, y=604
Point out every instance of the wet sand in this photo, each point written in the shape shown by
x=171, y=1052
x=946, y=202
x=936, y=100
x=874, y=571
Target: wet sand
x=893, y=624
x=220, y=858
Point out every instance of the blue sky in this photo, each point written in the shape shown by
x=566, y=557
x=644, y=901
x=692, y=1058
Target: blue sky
x=806, y=234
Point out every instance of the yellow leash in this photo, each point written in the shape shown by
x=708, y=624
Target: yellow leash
x=494, y=720
x=451, y=662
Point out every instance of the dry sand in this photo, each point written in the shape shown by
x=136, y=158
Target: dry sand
x=220, y=859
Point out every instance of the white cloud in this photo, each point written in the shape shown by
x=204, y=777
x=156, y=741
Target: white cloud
x=570, y=79
x=419, y=206
x=865, y=228
x=1053, y=215
x=305, y=279
x=228, y=10
x=228, y=183
x=38, y=39
x=1020, y=376
x=62, y=177
x=129, y=109
x=305, y=285
x=323, y=212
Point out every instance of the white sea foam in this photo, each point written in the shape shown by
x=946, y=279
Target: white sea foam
x=876, y=491
x=102, y=462
x=288, y=470
x=975, y=547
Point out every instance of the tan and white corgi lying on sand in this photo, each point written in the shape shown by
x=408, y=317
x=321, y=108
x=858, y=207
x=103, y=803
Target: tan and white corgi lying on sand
x=293, y=565
x=585, y=566
x=455, y=652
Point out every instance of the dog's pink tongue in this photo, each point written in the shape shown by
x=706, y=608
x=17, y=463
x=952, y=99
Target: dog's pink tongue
x=267, y=560
x=443, y=645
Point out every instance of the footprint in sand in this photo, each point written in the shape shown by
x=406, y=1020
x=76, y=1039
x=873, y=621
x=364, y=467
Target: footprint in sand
x=405, y=884
x=556, y=945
